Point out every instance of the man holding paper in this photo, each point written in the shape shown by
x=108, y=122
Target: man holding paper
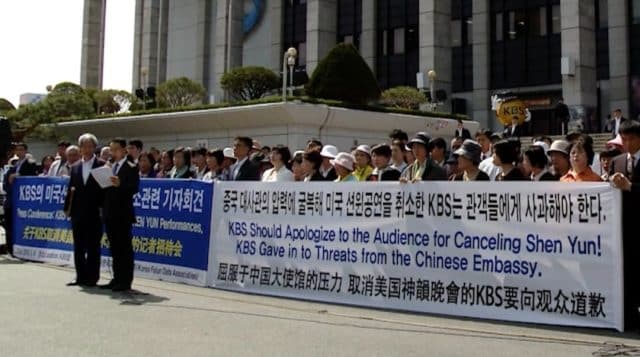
x=119, y=215
x=84, y=199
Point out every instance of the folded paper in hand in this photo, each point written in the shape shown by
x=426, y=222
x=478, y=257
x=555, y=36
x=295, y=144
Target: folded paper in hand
x=103, y=175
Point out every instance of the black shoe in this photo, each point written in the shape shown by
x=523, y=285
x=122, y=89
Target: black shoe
x=120, y=288
x=110, y=285
x=74, y=283
x=89, y=285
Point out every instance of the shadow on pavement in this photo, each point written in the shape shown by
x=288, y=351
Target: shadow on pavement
x=131, y=297
x=6, y=259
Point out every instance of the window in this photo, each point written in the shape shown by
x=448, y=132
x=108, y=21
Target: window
x=398, y=41
x=456, y=33
x=469, y=24
x=348, y=39
x=555, y=19
x=635, y=14
x=349, y=22
x=385, y=43
x=603, y=14
x=302, y=54
x=499, y=30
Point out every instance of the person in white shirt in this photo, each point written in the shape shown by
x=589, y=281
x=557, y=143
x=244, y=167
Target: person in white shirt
x=62, y=166
x=398, y=156
x=280, y=156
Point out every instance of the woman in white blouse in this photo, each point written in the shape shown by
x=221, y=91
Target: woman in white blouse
x=280, y=156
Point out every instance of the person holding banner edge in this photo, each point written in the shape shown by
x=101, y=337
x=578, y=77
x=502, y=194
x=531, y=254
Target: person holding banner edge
x=119, y=215
x=83, y=203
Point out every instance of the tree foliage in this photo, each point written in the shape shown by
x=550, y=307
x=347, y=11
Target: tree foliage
x=179, y=92
x=5, y=106
x=344, y=75
x=403, y=97
x=111, y=101
x=249, y=83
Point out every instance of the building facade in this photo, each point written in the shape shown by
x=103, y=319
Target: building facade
x=587, y=51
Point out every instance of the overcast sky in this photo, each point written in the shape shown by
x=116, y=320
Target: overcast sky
x=41, y=45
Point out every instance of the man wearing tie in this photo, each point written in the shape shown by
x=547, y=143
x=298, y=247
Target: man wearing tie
x=119, y=215
x=625, y=175
x=24, y=166
x=244, y=169
x=85, y=199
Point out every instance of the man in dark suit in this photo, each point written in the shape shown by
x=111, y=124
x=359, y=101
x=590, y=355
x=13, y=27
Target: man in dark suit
x=119, y=215
x=244, y=169
x=23, y=166
x=85, y=199
x=461, y=132
x=513, y=131
x=423, y=168
x=613, y=125
x=625, y=174
x=381, y=158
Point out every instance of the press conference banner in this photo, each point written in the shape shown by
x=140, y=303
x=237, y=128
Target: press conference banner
x=542, y=253
x=170, y=236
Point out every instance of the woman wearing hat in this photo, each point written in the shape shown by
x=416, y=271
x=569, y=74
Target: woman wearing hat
x=505, y=155
x=422, y=168
x=363, y=167
x=344, y=165
x=469, y=157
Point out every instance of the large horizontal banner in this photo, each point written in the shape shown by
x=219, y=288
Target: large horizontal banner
x=543, y=253
x=170, y=236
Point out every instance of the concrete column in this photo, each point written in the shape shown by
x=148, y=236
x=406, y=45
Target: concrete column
x=163, y=29
x=368, y=35
x=579, y=46
x=619, y=56
x=277, y=29
x=93, y=24
x=482, y=65
x=229, y=39
x=435, y=42
x=146, y=43
x=321, y=30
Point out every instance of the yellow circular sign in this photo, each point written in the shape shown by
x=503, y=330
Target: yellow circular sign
x=507, y=110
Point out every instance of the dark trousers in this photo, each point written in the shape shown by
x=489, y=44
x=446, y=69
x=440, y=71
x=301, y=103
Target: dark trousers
x=87, y=233
x=119, y=234
x=630, y=249
x=8, y=229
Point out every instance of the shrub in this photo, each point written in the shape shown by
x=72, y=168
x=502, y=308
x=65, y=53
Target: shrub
x=403, y=97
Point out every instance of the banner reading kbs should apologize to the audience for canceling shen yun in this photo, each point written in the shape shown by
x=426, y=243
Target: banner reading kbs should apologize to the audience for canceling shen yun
x=544, y=253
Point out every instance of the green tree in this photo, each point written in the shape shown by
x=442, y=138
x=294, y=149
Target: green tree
x=344, y=75
x=179, y=92
x=5, y=106
x=110, y=101
x=249, y=83
x=403, y=97
x=70, y=101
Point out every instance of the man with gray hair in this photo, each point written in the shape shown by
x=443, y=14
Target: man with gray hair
x=84, y=199
x=62, y=166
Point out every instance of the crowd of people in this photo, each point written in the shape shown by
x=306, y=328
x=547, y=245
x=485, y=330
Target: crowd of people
x=482, y=156
x=485, y=157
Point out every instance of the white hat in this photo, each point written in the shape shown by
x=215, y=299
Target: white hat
x=365, y=149
x=329, y=151
x=561, y=146
x=543, y=145
x=228, y=153
x=345, y=160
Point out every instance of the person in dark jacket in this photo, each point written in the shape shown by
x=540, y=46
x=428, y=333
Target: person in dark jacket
x=119, y=214
x=505, y=155
x=423, y=168
x=381, y=158
x=469, y=156
x=23, y=166
x=311, y=162
x=84, y=200
x=244, y=169
x=535, y=160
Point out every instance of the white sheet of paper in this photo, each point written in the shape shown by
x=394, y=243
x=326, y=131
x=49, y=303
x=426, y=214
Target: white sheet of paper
x=103, y=176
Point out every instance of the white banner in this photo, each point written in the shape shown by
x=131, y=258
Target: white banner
x=543, y=253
